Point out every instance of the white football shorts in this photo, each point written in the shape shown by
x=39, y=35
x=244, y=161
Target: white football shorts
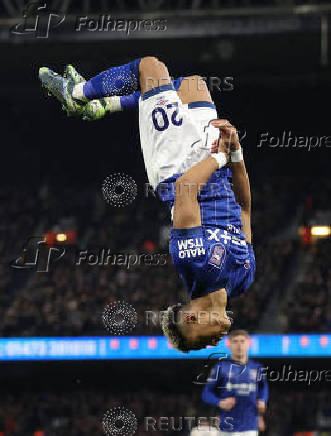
x=173, y=136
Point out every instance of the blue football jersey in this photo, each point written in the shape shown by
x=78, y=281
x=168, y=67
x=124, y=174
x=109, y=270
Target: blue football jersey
x=210, y=258
x=217, y=201
x=244, y=382
x=215, y=255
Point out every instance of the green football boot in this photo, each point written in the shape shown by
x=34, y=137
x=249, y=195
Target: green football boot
x=93, y=109
x=61, y=88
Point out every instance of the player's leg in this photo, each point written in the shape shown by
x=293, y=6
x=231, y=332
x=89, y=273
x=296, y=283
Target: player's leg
x=125, y=79
x=119, y=80
x=190, y=89
x=111, y=90
x=152, y=74
x=73, y=94
x=194, y=89
x=113, y=104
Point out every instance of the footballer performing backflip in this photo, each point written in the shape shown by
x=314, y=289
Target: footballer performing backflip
x=190, y=156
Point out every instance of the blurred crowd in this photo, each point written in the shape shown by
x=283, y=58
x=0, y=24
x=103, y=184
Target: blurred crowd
x=310, y=307
x=272, y=262
x=81, y=412
x=298, y=411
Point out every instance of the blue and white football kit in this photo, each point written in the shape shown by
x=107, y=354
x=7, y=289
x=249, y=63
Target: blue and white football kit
x=244, y=382
x=174, y=137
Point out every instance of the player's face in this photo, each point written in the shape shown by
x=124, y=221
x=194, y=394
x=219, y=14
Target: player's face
x=239, y=346
x=203, y=341
x=201, y=336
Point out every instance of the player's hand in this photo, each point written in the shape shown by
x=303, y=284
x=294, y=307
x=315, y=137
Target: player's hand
x=219, y=146
x=227, y=403
x=229, y=139
x=260, y=406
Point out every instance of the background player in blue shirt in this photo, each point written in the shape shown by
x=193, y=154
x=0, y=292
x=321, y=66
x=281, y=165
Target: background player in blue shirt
x=190, y=156
x=236, y=386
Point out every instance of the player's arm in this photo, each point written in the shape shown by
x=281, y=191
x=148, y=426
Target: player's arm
x=262, y=398
x=186, y=207
x=240, y=180
x=242, y=192
x=261, y=423
x=262, y=395
x=208, y=394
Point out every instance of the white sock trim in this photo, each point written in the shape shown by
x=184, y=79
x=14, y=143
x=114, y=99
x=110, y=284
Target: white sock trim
x=78, y=92
x=114, y=103
x=220, y=159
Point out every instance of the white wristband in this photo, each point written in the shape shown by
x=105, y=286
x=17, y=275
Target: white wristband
x=220, y=159
x=237, y=156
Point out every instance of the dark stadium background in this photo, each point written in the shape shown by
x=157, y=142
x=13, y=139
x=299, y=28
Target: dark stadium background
x=52, y=167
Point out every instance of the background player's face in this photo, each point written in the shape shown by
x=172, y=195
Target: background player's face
x=239, y=346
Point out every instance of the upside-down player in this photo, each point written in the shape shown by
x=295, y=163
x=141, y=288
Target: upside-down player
x=190, y=156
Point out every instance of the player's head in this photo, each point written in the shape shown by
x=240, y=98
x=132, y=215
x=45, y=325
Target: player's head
x=239, y=344
x=190, y=329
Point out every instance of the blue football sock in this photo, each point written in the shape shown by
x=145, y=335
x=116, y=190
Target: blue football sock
x=131, y=101
x=177, y=82
x=122, y=80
